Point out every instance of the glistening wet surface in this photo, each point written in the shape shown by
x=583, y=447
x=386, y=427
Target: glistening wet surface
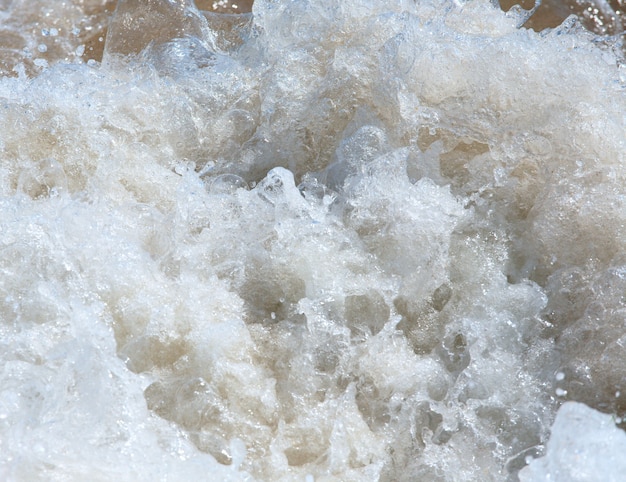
x=317, y=240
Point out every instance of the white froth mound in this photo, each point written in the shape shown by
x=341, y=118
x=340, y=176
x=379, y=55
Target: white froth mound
x=584, y=446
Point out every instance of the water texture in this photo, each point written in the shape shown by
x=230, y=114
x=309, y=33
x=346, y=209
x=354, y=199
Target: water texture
x=309, y=240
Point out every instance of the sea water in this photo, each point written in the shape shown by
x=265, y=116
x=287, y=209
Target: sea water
x=314, y=240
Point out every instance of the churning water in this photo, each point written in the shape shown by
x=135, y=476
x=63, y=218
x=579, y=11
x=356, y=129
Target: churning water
x=311, y=240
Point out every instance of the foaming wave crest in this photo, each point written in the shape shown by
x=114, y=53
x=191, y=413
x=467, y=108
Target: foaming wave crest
x=309, y=240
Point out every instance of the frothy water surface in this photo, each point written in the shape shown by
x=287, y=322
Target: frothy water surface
x=317, y=240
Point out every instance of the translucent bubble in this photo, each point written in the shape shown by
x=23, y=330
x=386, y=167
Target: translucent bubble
x=227, y=184
x=312, y=190
x=275, y=185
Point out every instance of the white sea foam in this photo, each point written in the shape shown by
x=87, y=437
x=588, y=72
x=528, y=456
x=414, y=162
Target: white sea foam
x=584, y=446
x=339, y=240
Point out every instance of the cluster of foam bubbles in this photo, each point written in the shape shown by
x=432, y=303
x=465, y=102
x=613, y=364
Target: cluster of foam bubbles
x=328, y=239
